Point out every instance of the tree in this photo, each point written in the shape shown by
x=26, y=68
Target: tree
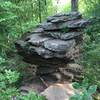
x=74, y=5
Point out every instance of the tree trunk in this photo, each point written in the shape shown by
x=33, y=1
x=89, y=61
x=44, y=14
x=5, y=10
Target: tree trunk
x=74, y=5
x=40, y=17
x=46, y=7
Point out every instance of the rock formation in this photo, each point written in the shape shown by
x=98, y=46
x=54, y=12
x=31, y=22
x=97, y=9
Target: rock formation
x=54, y=44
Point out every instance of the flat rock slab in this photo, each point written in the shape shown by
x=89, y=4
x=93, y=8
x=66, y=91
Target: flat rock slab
x=63, y=36
x=53, y=42
x=41, y=52
x=64, y=17
x=36, y=39
x=59, y=92
x=38, y=30
x=80, y=23
x=59, y=45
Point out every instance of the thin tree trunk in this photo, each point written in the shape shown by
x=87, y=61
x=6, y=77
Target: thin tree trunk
x=74, y=5
x=45, y=2
x=40, y=17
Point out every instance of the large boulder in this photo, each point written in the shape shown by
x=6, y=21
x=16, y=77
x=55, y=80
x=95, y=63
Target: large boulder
x=54, y=43
x=59, y=92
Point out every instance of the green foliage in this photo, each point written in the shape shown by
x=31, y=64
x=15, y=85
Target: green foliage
x=91, y=52
x=85, y=92
x=7, y=80
x=91, y=48
x=91, y=7
x=6, y=16
x=18, y=17
x=11, y=76
x=31, y=96
x=67, y=7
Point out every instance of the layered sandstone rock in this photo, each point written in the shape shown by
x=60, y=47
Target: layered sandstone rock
x=54, y=43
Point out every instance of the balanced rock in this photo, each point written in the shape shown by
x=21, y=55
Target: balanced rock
x=54, y=43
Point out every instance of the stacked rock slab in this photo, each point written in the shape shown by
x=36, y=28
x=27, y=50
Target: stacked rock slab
x=54, y=43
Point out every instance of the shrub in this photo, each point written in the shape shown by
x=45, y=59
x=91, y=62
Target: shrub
x=86, y=91
x=31, y=96
x=91, y=52
x=7, y=80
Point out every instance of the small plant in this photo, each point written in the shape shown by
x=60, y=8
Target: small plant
x=31, y=96
x=7, y=80
x=86, y=91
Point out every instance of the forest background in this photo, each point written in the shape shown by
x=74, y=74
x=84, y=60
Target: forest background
x=17, y=17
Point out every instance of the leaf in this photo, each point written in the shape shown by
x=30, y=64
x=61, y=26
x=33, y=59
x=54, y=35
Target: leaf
x=2, y=85
x=86, y=96
x=41, y=98
x=92, y=89
x=76, y=85
x=85, y=83
x=76, y=97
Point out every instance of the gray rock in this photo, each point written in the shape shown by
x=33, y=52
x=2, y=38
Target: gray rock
x=64, y=17
x=38, y=30
x=54, y=43
x=70, y=35
x=74, y=24
x=36, y=39
x=21, y=46
x=63, y=36
x=78, y=24
x=70, y=54
x=75, y=67
x=42, y=52
x=69, y=24
x=60, y=54
x=20, y=43
x=44, y=70
x=45, y=53
x=72, y=70
x=68, y=14
x=49, y=26
x=57, y=45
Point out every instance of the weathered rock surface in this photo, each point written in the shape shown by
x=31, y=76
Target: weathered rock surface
x=59, y=45
x=80, y=23
x=54, y=43
x=64, y=17
x=36, y=39
x=59, y=92
x=63, y=36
